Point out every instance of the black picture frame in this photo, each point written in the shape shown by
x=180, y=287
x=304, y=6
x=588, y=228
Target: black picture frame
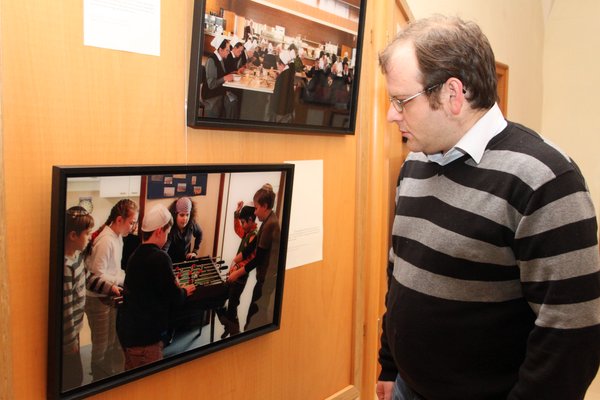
x=322, y=102
x=227, y=184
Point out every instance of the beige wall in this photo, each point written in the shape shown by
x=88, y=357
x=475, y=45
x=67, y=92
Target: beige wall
x=515, y=31
x=571, y=81
x=66, y=103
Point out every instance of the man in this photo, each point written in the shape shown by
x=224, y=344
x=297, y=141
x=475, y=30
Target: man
x=248, y=56
x=150, y=292
x=217, y=103
x=281, y=104
x=233, y=62
x=493, y=288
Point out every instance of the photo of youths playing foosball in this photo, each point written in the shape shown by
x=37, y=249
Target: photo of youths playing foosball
x=188, y=263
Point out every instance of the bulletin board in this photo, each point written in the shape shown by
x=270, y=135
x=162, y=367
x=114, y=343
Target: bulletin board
x=183, y=185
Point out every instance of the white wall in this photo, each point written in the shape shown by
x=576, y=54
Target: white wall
x=571, y=84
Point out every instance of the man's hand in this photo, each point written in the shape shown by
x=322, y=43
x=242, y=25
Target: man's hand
x=384, y=390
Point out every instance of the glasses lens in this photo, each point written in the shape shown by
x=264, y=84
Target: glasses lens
x=396, y=103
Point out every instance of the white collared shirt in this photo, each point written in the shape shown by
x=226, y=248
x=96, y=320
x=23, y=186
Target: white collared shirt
x=476, y=139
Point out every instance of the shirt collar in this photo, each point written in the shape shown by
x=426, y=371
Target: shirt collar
x=476, y=139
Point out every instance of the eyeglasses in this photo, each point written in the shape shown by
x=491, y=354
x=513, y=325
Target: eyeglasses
x=399, y=104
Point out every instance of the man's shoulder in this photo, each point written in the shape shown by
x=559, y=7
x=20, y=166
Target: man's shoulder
x=530, y=148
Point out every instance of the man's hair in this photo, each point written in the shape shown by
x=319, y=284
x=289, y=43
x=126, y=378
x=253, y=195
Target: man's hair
x=448, y=47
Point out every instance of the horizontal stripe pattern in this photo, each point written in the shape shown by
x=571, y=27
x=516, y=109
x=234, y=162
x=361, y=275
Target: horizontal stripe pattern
x=518, y=224
x=494, y=275
x=512, y=163
x=448, y=288
x=73, y=300
x=478, y=202
x=437, y=238
x=567, y=316
x=560, y=266
x=567, y=210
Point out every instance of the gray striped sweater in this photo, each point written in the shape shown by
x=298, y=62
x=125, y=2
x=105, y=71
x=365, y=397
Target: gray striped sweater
x=75, y=281
x=493, y=278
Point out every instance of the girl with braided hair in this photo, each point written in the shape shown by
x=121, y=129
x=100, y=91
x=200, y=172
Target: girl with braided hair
x=104, y=259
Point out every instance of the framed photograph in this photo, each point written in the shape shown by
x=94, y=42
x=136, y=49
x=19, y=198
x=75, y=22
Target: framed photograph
x=143, y=278
x=281, y=65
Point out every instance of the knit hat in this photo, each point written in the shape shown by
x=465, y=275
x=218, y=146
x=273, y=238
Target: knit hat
x=157, y=217
x=183, y=205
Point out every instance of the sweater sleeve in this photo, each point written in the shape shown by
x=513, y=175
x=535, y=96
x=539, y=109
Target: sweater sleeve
x=197, y=238
x=261, y=258
x=96, y=284
x=174, y=294
x=556, y=247
x=386, y=361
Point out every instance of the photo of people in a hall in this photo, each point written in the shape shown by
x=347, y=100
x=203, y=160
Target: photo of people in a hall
x=286, y=65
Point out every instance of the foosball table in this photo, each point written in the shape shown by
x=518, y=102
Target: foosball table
x=205, y=271
x=209, y=276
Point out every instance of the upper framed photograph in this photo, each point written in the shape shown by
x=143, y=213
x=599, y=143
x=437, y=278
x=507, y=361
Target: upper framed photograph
x=279, y=65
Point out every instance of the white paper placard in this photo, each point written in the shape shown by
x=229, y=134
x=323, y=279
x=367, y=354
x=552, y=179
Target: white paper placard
x=128, y=25
x=305, y=239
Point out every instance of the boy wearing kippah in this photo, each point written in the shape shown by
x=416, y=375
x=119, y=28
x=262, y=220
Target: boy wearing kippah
x=150, y=291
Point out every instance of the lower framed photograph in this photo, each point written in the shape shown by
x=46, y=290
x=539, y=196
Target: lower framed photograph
x=154, y=266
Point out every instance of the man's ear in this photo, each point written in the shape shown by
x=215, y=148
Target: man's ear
x=456, y=95
x=72, y=235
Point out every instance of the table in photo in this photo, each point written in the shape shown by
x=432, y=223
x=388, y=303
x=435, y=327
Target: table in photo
x=256, y=95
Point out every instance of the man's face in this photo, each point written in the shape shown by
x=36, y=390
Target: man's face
x=224, y=52
x=425, y=129
x=237, y=51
